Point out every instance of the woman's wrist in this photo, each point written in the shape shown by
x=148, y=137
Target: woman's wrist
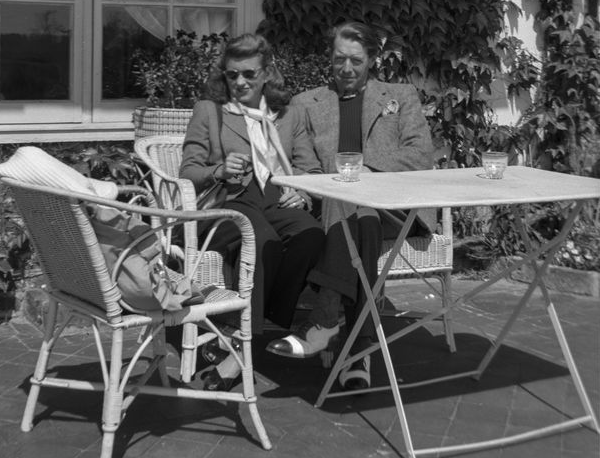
x=218, y=173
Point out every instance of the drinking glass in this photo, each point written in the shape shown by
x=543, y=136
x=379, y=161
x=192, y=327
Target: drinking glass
x=348, y=165
x=494, y=163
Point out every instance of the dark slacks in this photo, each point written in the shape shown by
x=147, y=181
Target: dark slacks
x=335, y=271
x=288, y=244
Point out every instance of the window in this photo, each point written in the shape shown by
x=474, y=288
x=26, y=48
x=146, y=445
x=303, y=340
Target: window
x=36, y=44
x=39, y=63
x=129, y=25
x=65, y=65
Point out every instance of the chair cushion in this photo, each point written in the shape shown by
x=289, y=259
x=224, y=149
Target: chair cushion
x=33, y=165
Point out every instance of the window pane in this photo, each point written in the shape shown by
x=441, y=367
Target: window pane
x=203, y=21
x=126, y=29
x=35, y=51
x=195, y=2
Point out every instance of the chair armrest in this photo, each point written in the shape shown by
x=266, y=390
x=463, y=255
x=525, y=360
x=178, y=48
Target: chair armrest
x=140, y=192
x=177, y=194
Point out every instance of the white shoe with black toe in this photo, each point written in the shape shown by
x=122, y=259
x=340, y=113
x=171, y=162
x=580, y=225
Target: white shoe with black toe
x=306, y=342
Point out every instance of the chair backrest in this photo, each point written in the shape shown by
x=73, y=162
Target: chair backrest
x=66, y=245
x=167, y=152
x=163, y=155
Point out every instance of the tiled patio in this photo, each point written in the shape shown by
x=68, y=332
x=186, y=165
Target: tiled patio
x=526, y=385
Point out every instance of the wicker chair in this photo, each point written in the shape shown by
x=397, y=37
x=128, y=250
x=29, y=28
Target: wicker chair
x=78, y=278
x=162, y=155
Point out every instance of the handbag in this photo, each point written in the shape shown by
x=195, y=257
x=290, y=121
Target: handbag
x=212, y=197
x=134, y=255
x=215, y=195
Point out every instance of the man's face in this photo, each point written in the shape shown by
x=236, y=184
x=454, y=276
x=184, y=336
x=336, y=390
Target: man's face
x=350, y=64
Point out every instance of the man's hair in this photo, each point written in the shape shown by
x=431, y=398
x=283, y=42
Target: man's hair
x=356, y=31
x=246, y=46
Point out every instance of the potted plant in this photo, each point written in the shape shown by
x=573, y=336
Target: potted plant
x=172, y=80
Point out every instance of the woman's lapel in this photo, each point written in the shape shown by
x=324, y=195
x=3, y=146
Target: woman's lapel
x=236, y=124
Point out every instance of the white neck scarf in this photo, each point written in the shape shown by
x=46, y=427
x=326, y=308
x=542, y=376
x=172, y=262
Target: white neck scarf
x=268, y=156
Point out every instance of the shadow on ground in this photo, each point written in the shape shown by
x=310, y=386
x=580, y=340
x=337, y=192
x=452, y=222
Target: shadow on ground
x=417, y=356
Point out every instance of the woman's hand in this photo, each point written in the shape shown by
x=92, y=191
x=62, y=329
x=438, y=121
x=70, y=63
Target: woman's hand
x=235, y=164
x=290, y=198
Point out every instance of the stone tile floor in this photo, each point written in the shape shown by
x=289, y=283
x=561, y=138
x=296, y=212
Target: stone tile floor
x=526, y=385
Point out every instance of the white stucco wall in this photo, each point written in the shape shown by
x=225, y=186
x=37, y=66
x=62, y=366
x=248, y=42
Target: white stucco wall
x=508, y=110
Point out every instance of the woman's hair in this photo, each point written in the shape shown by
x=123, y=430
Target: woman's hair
x=245, y=46
x=356, y=31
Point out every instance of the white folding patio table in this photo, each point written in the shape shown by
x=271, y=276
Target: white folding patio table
x=456, y=188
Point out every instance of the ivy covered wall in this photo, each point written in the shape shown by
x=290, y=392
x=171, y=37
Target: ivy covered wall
x=482, y=85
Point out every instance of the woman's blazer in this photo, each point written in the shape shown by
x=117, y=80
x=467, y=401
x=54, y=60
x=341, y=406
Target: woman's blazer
x=204, y=149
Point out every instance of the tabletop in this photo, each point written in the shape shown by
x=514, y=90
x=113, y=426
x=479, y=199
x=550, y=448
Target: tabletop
x=447, y=187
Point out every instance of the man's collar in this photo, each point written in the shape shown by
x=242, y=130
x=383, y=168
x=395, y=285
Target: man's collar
x=351, y=95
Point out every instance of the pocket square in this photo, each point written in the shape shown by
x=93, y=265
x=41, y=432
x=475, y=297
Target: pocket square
x=391, y=107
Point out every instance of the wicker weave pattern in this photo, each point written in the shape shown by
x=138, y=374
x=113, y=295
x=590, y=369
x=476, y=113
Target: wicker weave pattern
x=87, y=278
x=160, y=121
x=425, y=254
x=78, y=277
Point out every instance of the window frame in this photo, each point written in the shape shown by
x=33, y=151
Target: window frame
x=120, y=110
x=59, y=111
x=86, y=117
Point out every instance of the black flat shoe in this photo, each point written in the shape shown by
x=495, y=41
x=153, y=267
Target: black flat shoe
x=214, y=382
x=212, y=353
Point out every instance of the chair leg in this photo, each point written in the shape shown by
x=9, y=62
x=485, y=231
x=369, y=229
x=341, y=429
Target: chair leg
x=249, y=394
x=160, y=349
x=248, y=379
x=446, y=281
x=113, y=397
x=41, y=366
x=260, y=429
x=189, y=348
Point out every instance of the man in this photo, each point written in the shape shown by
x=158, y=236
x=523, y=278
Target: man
x=386, y=123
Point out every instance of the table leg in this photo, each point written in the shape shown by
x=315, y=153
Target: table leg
x=549, y=249
x=370, y=306
x=583, y=397
x=531, y=256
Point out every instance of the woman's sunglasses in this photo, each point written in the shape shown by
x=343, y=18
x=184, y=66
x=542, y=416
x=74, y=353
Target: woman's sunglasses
x=248, y=75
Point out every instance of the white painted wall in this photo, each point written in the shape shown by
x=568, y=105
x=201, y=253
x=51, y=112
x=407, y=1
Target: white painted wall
x=508, y=110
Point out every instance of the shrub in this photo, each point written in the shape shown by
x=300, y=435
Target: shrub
x=174, y=77
x=301, y=71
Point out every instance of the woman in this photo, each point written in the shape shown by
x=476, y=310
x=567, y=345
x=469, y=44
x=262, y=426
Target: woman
x=243, y=134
